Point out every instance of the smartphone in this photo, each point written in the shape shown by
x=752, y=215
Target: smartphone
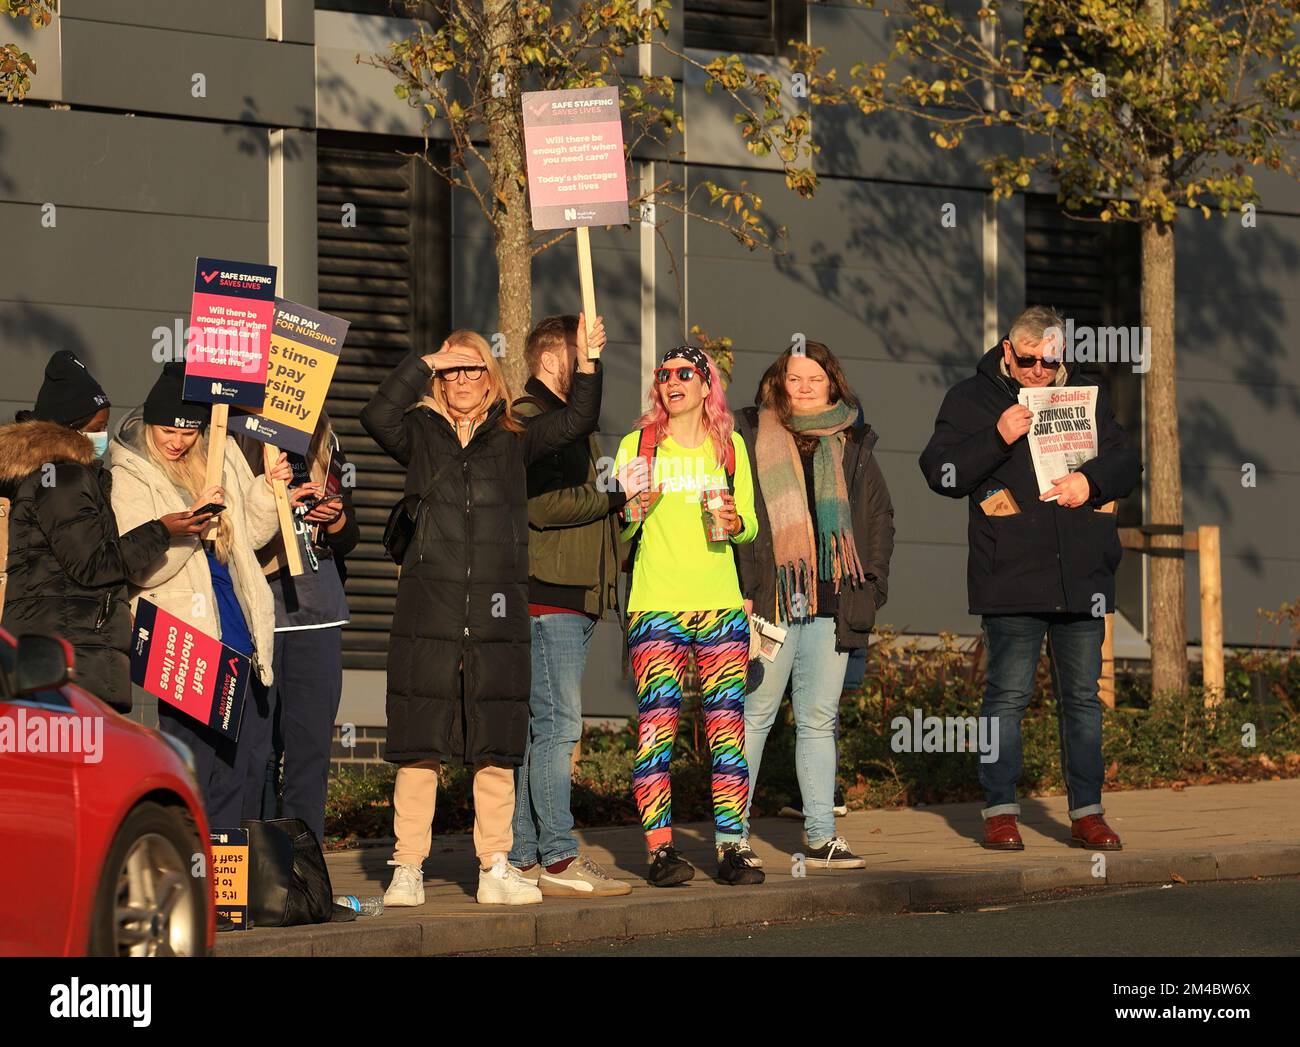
x=211, y=509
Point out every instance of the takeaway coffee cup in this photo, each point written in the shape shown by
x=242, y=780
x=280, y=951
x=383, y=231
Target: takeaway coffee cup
x=632, y=512
x=711, y=500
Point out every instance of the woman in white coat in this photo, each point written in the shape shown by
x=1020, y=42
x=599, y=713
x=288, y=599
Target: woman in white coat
x=159, y=458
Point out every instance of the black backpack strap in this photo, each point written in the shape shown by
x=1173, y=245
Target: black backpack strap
x=530, y=401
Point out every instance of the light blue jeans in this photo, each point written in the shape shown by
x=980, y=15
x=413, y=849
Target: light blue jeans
x=809, y=659
x=543, y=824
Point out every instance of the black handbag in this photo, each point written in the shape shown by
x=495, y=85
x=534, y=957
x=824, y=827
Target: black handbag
x=288, y=882
x=399, y=531
x=400, y=528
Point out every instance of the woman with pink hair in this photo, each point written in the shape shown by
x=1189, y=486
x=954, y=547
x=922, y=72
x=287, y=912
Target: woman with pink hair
x=684, y=596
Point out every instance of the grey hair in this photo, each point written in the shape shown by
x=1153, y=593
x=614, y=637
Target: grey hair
x=1035, y=321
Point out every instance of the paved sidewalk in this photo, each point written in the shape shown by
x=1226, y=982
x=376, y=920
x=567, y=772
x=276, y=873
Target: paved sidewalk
x=917, y=859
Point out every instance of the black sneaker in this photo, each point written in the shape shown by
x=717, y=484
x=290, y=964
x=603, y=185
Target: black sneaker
x=668, y=868
x=735, y=868
x=841, y=809
x=834, y=854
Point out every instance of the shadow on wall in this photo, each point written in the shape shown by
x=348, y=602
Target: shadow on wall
x=348, y=96
x=1223, y=316
x=252, y=136
x=887, y=308
x=900, y=160
x=7, y=184
x=37, y=333
x=337, y=94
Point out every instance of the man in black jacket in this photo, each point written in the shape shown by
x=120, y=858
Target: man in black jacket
x=1040, y=565
x=572, y=578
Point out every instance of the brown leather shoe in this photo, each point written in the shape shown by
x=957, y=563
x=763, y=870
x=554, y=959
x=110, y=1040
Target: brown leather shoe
x=1091, y=831
x=1001, y=834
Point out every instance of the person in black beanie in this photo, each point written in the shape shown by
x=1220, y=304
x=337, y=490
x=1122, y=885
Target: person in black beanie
x=68, y=566
x=212, y=581
x=164, y=405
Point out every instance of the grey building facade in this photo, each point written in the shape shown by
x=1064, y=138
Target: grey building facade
x=247, y=129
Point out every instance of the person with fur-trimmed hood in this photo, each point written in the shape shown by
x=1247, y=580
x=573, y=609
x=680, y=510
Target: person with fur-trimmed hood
x=68, y=565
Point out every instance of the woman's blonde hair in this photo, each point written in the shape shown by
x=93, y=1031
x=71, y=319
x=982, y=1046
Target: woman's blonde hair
x=497, y=388
x=189, y=473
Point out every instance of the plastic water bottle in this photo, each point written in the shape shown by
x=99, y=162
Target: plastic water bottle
x=373, y=906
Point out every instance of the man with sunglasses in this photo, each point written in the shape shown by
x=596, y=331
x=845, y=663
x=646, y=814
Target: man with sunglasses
x=1038, y=565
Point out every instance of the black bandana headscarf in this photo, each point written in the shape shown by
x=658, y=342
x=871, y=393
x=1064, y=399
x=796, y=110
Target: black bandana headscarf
x=695, y=355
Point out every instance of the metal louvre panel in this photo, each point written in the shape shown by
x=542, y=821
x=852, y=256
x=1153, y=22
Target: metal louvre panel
x=373, y=275
x=745, y=26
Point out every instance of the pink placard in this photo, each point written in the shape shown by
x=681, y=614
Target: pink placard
x=573, y=144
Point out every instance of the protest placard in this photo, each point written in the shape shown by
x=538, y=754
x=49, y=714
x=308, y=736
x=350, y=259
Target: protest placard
x=304, y=350
x=230, y=321
x=188, y=669
x=577, y=174
x=230, y=858
x=1063, y=433
x=573, y=143
x=225, y=357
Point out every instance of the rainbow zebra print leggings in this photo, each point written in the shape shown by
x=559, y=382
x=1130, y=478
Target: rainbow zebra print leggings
x=658, y=644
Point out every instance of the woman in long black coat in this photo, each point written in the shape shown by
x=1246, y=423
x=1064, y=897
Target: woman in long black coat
x=68, y=566
x=458, y=656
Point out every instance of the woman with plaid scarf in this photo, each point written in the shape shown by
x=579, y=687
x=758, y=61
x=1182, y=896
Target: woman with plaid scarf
x=819, y=568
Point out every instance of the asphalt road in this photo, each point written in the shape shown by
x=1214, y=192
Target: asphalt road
x=1243, y=918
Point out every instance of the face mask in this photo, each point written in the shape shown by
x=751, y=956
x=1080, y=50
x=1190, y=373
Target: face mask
x=99, y=441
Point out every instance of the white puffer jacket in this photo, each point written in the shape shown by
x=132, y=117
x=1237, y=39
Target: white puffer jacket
x=180, y=581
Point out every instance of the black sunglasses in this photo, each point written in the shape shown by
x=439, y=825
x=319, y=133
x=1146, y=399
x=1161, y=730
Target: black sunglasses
x=1027, y=362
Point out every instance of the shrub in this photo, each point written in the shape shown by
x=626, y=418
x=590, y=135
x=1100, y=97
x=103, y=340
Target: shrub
x=1252, y=733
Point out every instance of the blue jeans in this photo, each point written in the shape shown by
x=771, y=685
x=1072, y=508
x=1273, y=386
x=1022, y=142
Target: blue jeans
x=808, y=656
x=1074, y=647
x=543, y=825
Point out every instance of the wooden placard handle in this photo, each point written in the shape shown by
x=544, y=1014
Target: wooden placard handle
x=217, y=427
x=288, y=533
x=587, y=282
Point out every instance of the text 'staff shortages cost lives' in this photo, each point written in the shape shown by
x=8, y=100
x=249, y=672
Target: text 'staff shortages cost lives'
x=230, y=321
x=304, y=350
x=188, y=669
x=573, y=142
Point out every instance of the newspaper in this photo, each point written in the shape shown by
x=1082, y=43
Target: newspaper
x=1063, y=434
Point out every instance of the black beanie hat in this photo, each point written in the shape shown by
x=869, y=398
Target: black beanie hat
x=164, y=406
x=69, y=394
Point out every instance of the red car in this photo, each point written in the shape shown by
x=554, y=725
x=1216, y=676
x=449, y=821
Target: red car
x=103, y=841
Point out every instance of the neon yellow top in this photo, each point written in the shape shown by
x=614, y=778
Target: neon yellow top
x=677, y=568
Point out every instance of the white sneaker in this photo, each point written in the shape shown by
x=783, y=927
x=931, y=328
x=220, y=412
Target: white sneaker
x=503, y=884
x=407, y=887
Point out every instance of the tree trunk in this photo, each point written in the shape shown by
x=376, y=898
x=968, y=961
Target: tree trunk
x=1164, y=466
x=1164, y=459
x=512, y=228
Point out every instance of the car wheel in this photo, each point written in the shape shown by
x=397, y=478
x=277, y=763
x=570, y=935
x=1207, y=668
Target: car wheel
x=149, y=902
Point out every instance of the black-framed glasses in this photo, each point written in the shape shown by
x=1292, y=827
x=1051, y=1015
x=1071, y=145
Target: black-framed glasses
x=684, y=374
x=462, y=374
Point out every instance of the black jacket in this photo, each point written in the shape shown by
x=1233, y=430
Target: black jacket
x=1045, y=558
x=873, y=534
x=68, y=566
x=458, y=656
